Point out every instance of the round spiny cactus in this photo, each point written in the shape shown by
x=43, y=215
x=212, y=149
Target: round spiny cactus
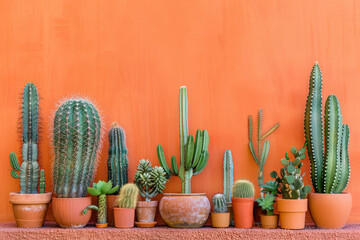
x=128, y=196
x=219, y=203
x=243, y=188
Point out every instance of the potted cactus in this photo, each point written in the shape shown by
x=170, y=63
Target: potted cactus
x=220, y=217
x=117, y=165
x=76, y=141
x=243, y=203
x=124, y=213
x=101, y=189
x=329, y=206
x=228, y=182
x=29, y=206
x=186, y=209
x=150, y=181
x=293, y=204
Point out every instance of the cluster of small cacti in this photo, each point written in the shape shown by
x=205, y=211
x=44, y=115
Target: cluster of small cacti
x=150, y=181
x=193, y=155
x=219, y=203
x=117, y=162
x=228, y=175
x=243, y=188
x=330, y=169
x=128, y=196
x=76, y=140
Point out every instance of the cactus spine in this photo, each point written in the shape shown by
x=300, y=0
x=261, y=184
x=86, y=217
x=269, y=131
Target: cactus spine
x=330, y=169
x=228, y=175
x=219, y=203
x=243, y=188
x=193, y=155
x=117, y=161
x=128, y=196
x=76, y=140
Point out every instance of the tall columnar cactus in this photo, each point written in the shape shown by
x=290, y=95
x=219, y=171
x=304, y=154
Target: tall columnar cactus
x=243, y=188
x=42, y=181
x=330, y=169
x=117, y=161
x=262, y=151
x=76, y=138
x=228, y=175
x=219, y=203
x=29, y=170
x=128, y=196
x=193, y=155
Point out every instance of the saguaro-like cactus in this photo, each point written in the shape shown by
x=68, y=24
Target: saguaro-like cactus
x=117, y=161
x=330, y=169
x=228, y=175
x=76, y=139
x=128, y=196
x=193, y=155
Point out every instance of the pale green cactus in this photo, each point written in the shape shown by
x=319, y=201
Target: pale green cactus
x=128, y=196
x=228, y=175
x=219, y=203
x=243, y=188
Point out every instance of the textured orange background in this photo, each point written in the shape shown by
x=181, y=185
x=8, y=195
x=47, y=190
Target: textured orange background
x=132, y=57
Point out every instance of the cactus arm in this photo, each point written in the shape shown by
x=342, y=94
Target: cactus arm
x=259, y=126
x=265, y=153
x=93, y=207
x=202, y=163
x=162, y=161
x=14, y=165
x=251, y=144
x=344, y=173
x=189, y=152
x=174, y=166
x=269, y=132
x=228, y=175
x=42, y=181
x=333, y=128
x=198, y=147
x=314, y=128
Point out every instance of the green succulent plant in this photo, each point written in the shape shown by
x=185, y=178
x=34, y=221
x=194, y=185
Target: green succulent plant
x=219, y=203
x=267, y=203
x=228, y=175
x=150, y=181
x=243, y=188
x=128, y=196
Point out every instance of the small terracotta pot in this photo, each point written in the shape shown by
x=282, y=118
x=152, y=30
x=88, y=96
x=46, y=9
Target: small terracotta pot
x=102, y=225
x=124, y=217
x=146, y=211
x=292, y=213
x=110, y=201
x=220, y=220
x=330, y=210
x=67, y=211
x=269, y=221
x=30, y=209
x=182, y=210
x=230, y=210
x=243, y=212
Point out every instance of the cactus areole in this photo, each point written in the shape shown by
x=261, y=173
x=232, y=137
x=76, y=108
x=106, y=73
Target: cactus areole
x=193, y=155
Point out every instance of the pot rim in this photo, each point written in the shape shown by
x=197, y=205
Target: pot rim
x=123, y=209
x=264, y=215
x=330, y=194
x=65, y=199
x=184, y=194
x=216, y=213
x=147, y=204
x=30, y=198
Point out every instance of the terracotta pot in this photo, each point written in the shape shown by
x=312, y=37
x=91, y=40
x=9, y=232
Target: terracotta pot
x=330, y=210
x=146, y=211
x=30, y=209
x=67, y=211
x=110, y=201
x=230, y=210
x=101, y=225
x=124, y=217
x=269, y=221
x=220, y=220
x=292, y=213
x=243, y=212
x=182, y=210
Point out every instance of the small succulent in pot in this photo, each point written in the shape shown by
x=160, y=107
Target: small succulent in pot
x=243, y=203
x=220, y=217
x=267, y=203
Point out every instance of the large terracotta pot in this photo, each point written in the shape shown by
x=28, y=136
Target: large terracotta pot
x=110, y=201
x=269, y=221
x=243, y=212
x=220, y=220
x=292, y=213
x=330, y=210
x=146, y=211
x=67, y=211
x=30, y=209
x=124, y=217
x=182, y=210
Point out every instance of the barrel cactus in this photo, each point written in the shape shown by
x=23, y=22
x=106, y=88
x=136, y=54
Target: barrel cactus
x=219, y=203
x=128, y=196
x=77, y=137
x=330, y=168
x=243, y=188
x=228, y=175
x=117, y=161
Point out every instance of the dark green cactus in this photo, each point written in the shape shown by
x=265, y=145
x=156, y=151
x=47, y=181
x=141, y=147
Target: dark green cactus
x=77, y=140
x=330, y=168
x=243, y=188
x=128, y=196
x=219, y=203
x=117, y=161
x=193, y=155
x=42, y=181
x=228, y=175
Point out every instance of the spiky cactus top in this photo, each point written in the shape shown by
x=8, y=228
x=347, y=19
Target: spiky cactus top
x=219, y=203
x=128, y=196
x=228, y=175
x=330, y=169
x=243, y=188
x=117, y=161
x=76, y=139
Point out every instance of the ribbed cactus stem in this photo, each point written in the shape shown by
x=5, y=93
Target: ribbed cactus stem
x=128, y=196
x=228, y=175
x=219, y=203
x=42, y=181
x=102, y=213
x=243, y=188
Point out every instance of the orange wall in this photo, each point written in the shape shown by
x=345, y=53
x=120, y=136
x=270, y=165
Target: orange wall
x=132, y=57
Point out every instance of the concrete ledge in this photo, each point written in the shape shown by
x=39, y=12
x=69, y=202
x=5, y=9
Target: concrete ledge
x=51, y=231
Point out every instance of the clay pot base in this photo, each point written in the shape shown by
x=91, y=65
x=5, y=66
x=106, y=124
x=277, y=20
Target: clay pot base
x=145, y=224
x=103, y=225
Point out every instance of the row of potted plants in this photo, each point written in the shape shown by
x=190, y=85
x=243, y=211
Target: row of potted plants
x=77, y=140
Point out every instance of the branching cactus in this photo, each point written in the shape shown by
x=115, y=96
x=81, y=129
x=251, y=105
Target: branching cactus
x=193, y=155
x=77, y=141
x=228, y=175
x=243, y=188
x=128, y=196
x=262, y=151
x=330, y=168
x=219, y=203
x=117, y=161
